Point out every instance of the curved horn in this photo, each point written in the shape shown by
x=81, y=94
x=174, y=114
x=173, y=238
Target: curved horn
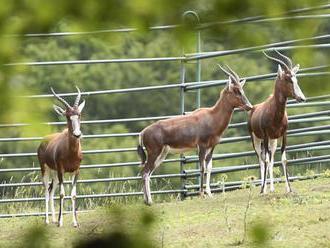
x=277, y=60
x=233, y=73
x=226, y=72
x=78, y=97
x=287, y=59
x=60, y=98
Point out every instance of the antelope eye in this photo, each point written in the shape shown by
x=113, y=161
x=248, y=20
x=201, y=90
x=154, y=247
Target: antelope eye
x=288, y=79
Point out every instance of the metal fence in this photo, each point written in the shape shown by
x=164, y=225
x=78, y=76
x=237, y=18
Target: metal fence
x=316, y=119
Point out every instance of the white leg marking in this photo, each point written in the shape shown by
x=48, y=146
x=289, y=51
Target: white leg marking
x=146, y=176
x=73, y=200
x=208, y=178
x=284, y=165
x=272, y=149
x=208, y=175
x=45, y=180
x=62, y=195
x=146, y=188
x=257, y=146
x=51, y=200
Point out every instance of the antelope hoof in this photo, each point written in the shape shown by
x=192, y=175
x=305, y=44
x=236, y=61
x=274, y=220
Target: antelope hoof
x=46, y=222
x=263, y=192
x=289, y=192
x=202, y=194
x=148, y=203
x=209, y=194
x=76, y=225
x=60, y=224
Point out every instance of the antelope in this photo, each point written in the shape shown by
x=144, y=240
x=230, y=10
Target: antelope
x=268, y=121
x=202, y=129
x=59, y=153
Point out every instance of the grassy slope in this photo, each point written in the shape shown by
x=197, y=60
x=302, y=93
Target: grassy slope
x=297, y=220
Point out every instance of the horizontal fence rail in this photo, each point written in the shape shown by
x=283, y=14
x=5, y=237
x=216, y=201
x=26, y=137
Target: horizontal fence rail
x=189, y=85
x=169, y=59
x=292, y=119
x=252, y=19
x=291, y=133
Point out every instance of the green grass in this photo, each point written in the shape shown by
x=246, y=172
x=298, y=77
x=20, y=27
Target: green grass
x=301, y=219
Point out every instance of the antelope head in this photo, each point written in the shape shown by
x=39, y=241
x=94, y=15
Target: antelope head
x=235, y=89
x=286, y=74
x=72, y=113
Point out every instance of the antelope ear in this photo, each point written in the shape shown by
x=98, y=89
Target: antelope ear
x=296, y=69
x=230, y=83
x=243, y=82
x=58, y=110
x=279, y=71
x=81, y=106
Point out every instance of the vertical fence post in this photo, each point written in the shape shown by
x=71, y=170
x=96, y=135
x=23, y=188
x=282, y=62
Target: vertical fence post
x=198, y=70
x=198, y=79
x=182, y=111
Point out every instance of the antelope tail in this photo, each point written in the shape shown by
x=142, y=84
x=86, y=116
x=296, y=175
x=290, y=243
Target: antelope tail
x=140, y=150
x=51, y=185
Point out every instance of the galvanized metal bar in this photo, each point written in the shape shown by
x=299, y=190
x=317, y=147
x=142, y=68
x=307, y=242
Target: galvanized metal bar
x=104, y=121
x=96, y=61
x=114, y=91
x=313, y=114
x=91, y=166
x=290, y=149
x=86, y=136
x=294, y=121
x=15, y=215
x=204, y=85
x=182, y=112
x=268, y=47
x=299, y=132
x=187, y=173
x=188, y=85
x=251, y=19
x=308, y=104
x=238, y=184
x=306, y=129
x=36, y=199
x=96, y=151
x=169, y=59
x=291, y=133
x=249, y=79
x=114, y=135
x=97, y=180
x=233, y=168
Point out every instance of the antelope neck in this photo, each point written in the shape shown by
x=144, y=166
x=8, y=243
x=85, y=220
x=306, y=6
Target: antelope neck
x=279, y=100
x=223, y=110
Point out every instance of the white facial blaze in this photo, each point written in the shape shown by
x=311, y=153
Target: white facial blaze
x=75, y=125
x=296, y=89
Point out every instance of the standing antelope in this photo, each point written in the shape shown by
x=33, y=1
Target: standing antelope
x=268, y=121
x=202, y=129
x=60, y=153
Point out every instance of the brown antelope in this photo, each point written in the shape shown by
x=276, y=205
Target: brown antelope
x=202, y=129
x=268, y=121
x=60, y=153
